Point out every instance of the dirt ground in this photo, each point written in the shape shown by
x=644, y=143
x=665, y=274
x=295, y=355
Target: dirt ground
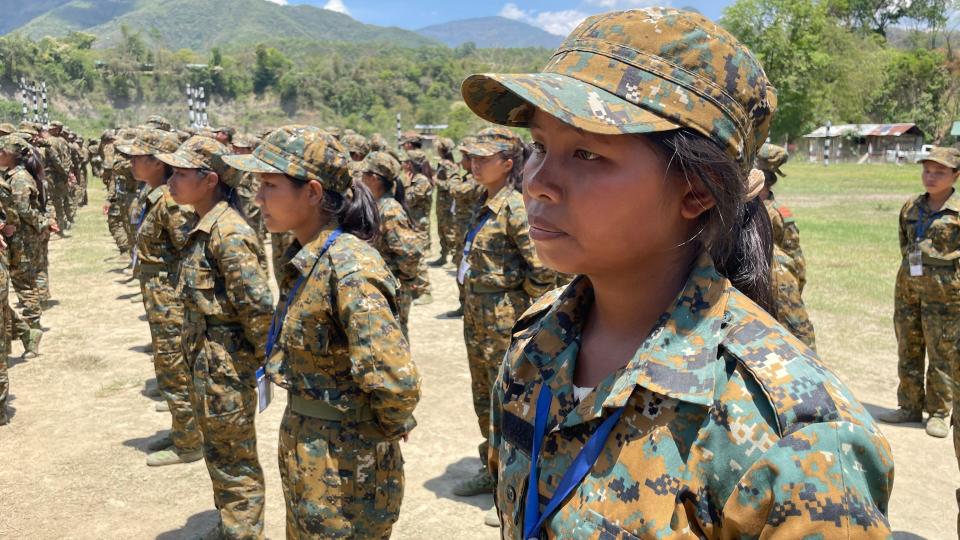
x=72, y=460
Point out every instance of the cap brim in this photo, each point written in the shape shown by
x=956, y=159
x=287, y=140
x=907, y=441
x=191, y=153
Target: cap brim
x=132, y=150
x=176, y=161
x=943, y=162
x=510, y=100
x=249, y=163
x=483, y=150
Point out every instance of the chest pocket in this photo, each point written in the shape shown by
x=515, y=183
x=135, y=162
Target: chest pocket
x=490, y=248
x=198, y=289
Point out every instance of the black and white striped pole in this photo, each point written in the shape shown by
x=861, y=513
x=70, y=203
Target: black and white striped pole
x=203, y=108
x=399, y=131
x=826, y=147
x=46, y=111
x=36, y=103
x=190, y=105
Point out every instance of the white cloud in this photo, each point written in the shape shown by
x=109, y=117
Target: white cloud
x=336, y=5
x=280, y=2
x=627, y=4
x=560, y=23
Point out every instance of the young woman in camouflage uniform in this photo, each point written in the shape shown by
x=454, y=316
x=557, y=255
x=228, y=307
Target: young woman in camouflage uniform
x=227, y=309
x=654, y=396
x=161, y=234
x=418, y=184
x=26, y=228
x=397, y=240
x=447, y=176
x=501, y=275
x=926, y=313
x=788, y=266
x=335, y=343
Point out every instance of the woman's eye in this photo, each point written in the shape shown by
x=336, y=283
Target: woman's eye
x=586, y=155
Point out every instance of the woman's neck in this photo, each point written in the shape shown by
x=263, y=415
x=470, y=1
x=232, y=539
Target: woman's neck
x=155, y=182
x=937, y=200
x=309, y=230
x=627, y=305
x=205, y=206
x=493, y=189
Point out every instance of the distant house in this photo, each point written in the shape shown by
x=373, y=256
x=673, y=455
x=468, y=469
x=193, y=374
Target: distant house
x=865, y=142
x=955, y=132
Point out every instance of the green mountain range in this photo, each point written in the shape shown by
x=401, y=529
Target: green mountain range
x=203, y=24
x=491, y=32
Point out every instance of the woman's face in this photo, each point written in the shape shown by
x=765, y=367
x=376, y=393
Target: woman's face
x=189, y=186
x=146, y=168
x=286, y=205
x=938, y=179
x=490, y=171
x=604, y=203
x=7, y=160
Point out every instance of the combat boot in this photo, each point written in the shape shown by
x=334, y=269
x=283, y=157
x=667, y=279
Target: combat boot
x=481, y=483
x=170, y=456
x=162, y=406
x=423, y=300
x=937, y=427
x=455, y=314
x=31, y=343
x=439, y=262
x=160, y=444
x=492, y=518
x=901, y=416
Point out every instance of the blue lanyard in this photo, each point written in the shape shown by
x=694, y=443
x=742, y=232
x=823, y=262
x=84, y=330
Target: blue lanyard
x=533, y=520
x=468, y=244
x=143, y=214
x=276, y=323
x=923, y=223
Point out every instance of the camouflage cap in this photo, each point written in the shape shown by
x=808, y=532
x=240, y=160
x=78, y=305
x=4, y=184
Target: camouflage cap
x=492, y=141
x=381, y=164
x=244, y=141
x=7, y=128
x=201, y=152
x=641, y=71
x=303, y=152
x=415, y=156
x=29, y=128
x=378, y=142
x=410, y=137
x=944, y=155
x=226, y=129
x=56, y=124
x=355, y=143
x=771, y=157
x=465, y=143
x=150, y=142
x=333, y=130
x=348, y=131
x=159, y=122
x=14, y=144
x=108, y=135
x=445, y=145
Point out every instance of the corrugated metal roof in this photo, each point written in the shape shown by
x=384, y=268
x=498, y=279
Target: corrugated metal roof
x=862, y=130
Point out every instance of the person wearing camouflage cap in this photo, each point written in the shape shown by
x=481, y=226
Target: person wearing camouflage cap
x=335, y=344
x=501, y=275
x=161, y=235
x=645, y=124
x=158, y=122
x=410, y=140
x=927, y=298
x=356, y=145
x=397, y=242
x=227, y=309
x=247, y=186
x=417, y=181
x=61, y=172
x=224, y=135
x=468, y=195
x=788, y=266
x=378, y=143
x=25, y=231
x=7, y=128
x=447, y=174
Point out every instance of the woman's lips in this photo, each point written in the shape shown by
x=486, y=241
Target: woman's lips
x=541, y=229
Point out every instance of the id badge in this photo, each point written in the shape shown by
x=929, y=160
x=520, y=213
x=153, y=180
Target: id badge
x=264, y=389
x=915, y=258
x=462, y=271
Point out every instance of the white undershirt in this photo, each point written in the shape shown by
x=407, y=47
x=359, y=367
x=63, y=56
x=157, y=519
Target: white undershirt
x=581, y=392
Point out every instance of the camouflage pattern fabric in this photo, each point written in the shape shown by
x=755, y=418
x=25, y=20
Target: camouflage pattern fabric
x=419, y=191
x=228, y=305
x=160, y=241
x=505, y=275
x=279, y=242
x=746, y=435
x=641, y=71
x=788, y=268
x=58, y=167
x=448, y=175
x=20, y=199
x=247, y=186
x=342, y=349
x=4, y=342
x=399, y=247
x=927, y=308
x=468, y=196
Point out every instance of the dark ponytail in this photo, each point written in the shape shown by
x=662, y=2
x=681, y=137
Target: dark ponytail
x=736, y=233
x=29, y=159
x=519, y=157
x=399, y=193
x=423, y=168
x=358, y=214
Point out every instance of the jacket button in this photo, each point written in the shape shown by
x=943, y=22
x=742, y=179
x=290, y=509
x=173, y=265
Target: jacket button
x=511, y=494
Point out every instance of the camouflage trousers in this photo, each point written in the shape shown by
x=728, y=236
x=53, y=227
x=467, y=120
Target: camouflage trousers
x=787, y=300
x=487, y=321
x=4, y=342
x=338, y=482
x=43, y=275
x=421, y=284
x=927, y=320
x=224, y=402
x=445, y=228
x=129, y=224
x=26, y=267
x=404, y=300
x=63, y=204
x=115, y=223
x=174, y=378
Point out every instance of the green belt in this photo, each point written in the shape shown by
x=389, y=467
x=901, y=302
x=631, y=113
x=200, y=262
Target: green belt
x=487, y=289
x=152, y=269
x=315, y=408
x=939, y=263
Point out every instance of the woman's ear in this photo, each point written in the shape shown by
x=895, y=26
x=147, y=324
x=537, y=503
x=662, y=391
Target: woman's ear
x=695, y=199
x=315, y=193
x=507, y=165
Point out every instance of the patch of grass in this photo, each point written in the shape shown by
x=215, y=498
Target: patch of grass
x=115, y=387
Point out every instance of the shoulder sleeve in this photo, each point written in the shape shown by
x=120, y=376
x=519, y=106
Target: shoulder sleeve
x=402, y=243
x=246, y=283
x=380, y=355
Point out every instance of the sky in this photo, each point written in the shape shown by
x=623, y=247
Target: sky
x=555, y=16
